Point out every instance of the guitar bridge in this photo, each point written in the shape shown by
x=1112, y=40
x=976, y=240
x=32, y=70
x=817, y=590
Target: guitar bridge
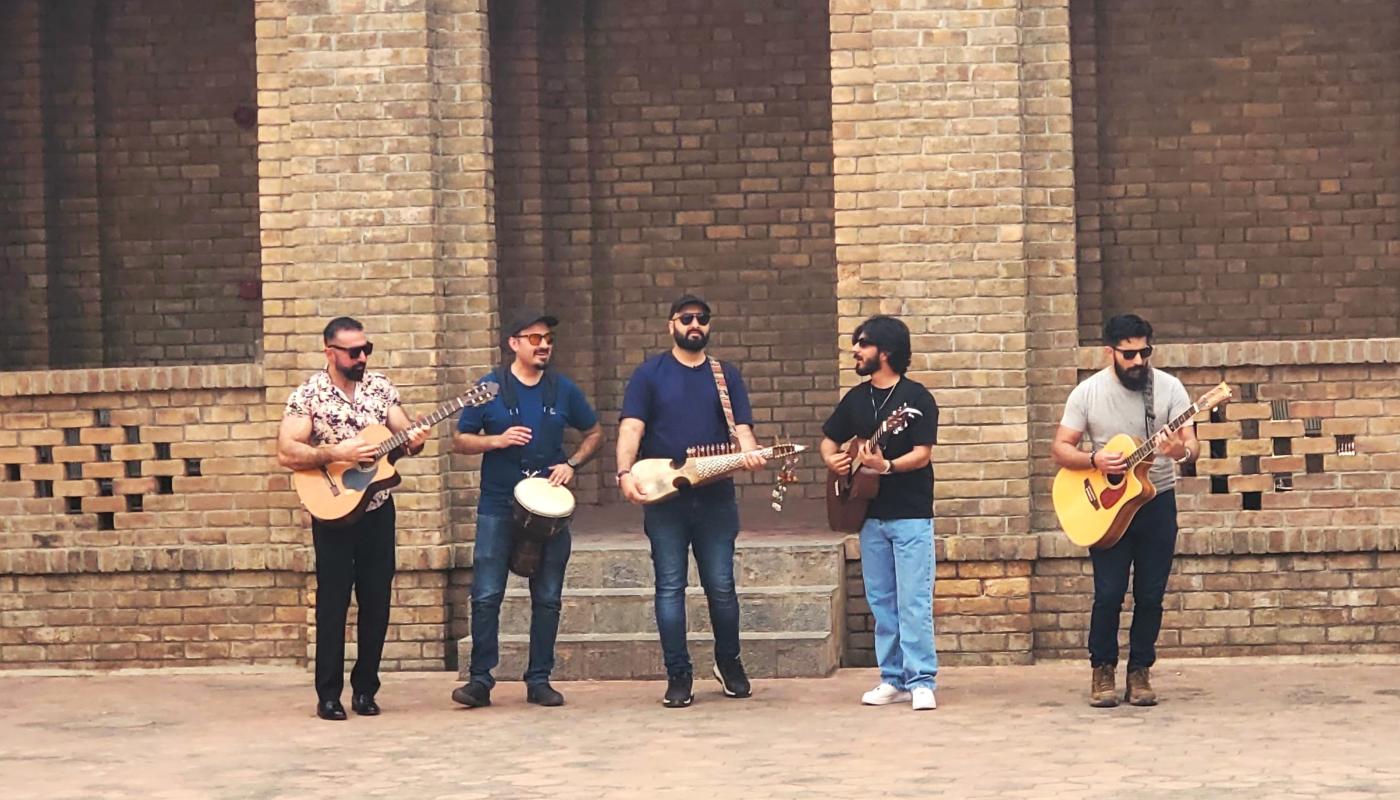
x=1089, y=493
x=330, y=483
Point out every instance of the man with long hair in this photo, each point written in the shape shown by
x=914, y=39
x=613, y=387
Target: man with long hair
x=896, y=539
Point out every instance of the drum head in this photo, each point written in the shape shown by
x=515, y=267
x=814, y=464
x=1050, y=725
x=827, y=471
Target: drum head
x=538, y=497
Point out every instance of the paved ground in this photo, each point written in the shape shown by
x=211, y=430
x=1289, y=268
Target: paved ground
x=1237, y=730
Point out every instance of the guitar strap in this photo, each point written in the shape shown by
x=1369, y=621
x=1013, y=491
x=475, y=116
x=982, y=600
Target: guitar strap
x=786, y=475
x=1149, y=406
x=724, y=401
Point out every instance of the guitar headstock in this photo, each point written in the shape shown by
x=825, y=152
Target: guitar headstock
x=481, y=393
x=899, y=419
x=784, y=450
x=1220, y=394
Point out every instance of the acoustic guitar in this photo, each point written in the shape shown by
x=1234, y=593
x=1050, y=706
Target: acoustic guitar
x=337, y=493
x=661, y=478
x=848, y=496
x=1095, y=508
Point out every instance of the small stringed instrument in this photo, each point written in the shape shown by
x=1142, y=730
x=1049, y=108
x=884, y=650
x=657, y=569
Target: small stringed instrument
x=848, y=496
x=337, y=493
x=661, y=478
x=1094, y=508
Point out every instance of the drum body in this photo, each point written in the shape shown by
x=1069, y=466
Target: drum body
x=540, y=512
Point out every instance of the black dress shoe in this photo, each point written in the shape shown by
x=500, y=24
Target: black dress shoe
x=542, y=694
x=473, y=695
x=364, y=705
x=330, y=709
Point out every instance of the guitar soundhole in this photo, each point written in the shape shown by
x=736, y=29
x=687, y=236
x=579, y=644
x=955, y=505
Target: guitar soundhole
x=1114, y=480
x=358, y=478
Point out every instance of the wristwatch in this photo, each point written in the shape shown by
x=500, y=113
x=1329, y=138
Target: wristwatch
x=571, y=463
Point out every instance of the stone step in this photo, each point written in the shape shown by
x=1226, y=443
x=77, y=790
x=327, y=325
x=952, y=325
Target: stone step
x=602, y=611
x=627, y=565
x=637, y=656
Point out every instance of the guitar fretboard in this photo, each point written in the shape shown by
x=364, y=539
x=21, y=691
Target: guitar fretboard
x=715, y=466
x=441, y=413
x=1150, y=446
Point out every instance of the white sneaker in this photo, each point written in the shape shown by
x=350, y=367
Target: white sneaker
x=924, y=699
x=883, y=695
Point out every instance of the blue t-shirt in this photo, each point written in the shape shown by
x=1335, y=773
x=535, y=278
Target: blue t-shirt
x=680, y=406
x=502, y=469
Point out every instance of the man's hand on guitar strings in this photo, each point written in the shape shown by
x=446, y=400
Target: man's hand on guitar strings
x=355, y=449
x=1111, y=463
x=872, y=457
x=839, y=462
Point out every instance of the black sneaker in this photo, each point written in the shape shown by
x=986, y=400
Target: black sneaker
x=473, y=695
x=542, y=694
x=732, y=678
x=678, y=691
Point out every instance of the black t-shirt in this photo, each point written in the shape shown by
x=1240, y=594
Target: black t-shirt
x=903, y=495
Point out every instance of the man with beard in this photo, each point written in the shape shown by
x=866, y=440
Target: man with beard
x=321, y=425
x=1117, y=400
x=673, y=402
x=896, y=539
x=521, y=432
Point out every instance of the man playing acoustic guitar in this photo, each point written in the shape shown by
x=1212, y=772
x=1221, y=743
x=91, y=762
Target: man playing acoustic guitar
x=321, y=425
x=896, y=539
x=1128, y=397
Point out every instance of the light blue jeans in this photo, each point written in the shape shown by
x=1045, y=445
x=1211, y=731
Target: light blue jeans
x=896, y=559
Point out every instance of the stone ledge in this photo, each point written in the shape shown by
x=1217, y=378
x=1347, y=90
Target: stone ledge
x=1054, y=544
x=131, y=379
x=208, y=558
x=1260, y=354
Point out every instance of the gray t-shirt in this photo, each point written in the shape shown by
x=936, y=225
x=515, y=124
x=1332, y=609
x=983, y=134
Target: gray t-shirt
x=1102, y=407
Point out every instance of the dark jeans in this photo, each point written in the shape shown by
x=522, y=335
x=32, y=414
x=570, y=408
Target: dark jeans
x=359, y=555
x=1147, y=549
x=490, y=569
x=706, y=521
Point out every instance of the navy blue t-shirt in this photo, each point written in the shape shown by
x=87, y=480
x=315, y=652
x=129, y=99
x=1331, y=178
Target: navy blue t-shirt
x=680, y=405
x=502, y=469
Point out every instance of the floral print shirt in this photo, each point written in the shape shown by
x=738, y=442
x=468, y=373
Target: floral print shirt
x=335, y=417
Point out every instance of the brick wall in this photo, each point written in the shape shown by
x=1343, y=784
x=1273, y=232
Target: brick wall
x=1238, y=167
x=130, y=184
x=651, y=148
x=23, y=271
x=177, y=136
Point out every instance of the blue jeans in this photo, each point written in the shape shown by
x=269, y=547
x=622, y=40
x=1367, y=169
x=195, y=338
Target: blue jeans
x=706, y=521
x=896, y=558
x=489, y=572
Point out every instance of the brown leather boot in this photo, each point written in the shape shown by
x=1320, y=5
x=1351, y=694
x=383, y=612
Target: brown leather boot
x=1140, y=688
x=1103, y=694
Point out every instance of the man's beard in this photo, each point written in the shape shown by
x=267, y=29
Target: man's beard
x=867, y=366
x=355, y=372
x=1134, y=378
x=694, y=345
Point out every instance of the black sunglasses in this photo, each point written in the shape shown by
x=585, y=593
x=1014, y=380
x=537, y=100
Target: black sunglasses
x=354, y=352
x=863, y=342
x=1131, y=355
x=688, y=317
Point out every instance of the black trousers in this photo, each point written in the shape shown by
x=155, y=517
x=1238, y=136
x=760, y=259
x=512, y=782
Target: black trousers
x=359, y=556
x=1147, y=549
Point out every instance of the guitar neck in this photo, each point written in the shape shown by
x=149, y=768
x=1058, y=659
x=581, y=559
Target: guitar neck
x=712, y=466
x=1150, y=446
x=441, y=413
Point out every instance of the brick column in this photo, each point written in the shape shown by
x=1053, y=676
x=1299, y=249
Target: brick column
x=941, y=176
x=377, y=203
